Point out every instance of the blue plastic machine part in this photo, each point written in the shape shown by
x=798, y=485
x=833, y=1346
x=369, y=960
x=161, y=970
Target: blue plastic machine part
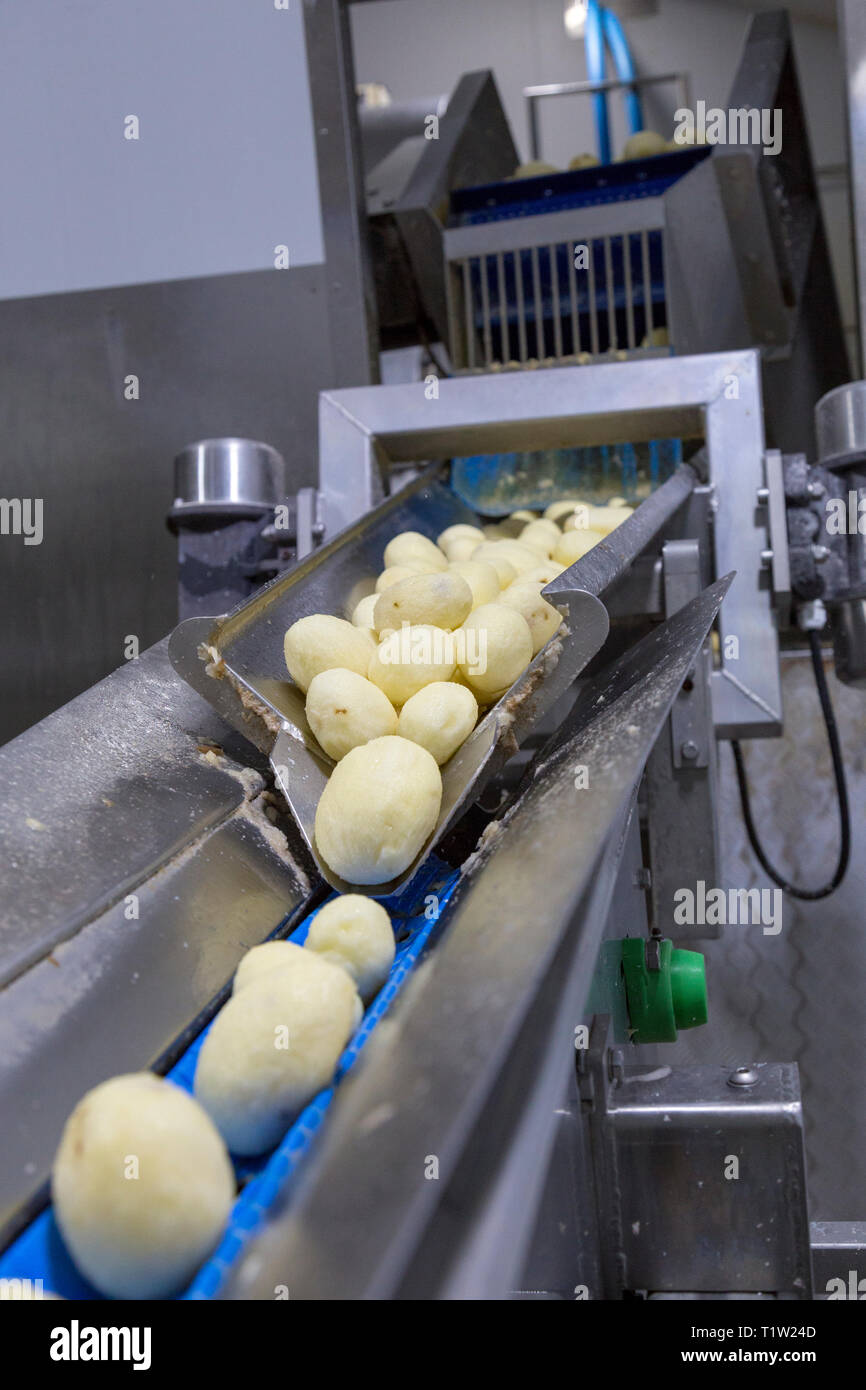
x=38, y=1253
x=497, y=484
x=621, y=53
x=595, y=67
x=603, y=26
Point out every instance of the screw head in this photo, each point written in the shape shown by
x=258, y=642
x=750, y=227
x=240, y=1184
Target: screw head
x=743, y=1076
x=689, y=750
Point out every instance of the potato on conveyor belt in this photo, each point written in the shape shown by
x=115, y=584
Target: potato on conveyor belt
x=344, y=710
x=379, y=807
x=273, y=1047
x=410, y=658
x=441, y=600
x=142, y=1186
x=481, y=578
x=439, y=718
x=497, y=646
x=411, y=548
x=320, y=642
x=575, y=544
x=543, y=619
x=355, y=933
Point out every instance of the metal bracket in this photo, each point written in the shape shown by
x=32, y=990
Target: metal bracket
x=700, y=1185
x=681, y=771
x=773, y=495
x=691, y=723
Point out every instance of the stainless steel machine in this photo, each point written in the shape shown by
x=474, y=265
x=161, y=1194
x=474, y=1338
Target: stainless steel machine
x=506, y=1122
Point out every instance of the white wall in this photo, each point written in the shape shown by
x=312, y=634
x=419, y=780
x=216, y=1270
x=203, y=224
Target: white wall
x=224, y=169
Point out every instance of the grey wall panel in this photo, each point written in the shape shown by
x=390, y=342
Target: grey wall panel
x=224, y=165
x=237, y=354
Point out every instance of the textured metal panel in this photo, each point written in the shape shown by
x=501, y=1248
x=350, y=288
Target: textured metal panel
x=213, y=357
x=100, y=795
x=839, y=1259
x=690, y=1220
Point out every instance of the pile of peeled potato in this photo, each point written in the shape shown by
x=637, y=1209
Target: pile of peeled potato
x=394, y=690
x=641, y=145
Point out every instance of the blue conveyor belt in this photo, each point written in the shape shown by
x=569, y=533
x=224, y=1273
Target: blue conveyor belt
x=39, y=1253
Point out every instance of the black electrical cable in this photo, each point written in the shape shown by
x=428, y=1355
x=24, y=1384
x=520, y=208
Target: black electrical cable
x=809, y=894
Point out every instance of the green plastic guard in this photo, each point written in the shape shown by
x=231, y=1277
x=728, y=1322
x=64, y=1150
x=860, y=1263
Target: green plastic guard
x=661, y=1001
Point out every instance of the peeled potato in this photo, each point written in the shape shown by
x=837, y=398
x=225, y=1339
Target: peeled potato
x=395, y=574
x=355, y=933
x=541, y=616
x=272, y=1047
x=607, y=519
x=410, y=658
x=488, y=554
x=261, y=962
x=442, y=600
x=460, y=531
x=439, y=718
x=644, y=143
x=541, y=575
x=557, y=511
x=574, y=544
x=378, y=808
x=521, y=556
x=481, y=578
x=542, y=535
x=460, y=548
x=411, y=548
x=583, y=161
x=518, y=557
x=16, y=1290
x=532, y=168
x=142, y=1186
x=344, y=709
x=496, y=647
x=320, y=642
x=362, y=614
x=581, y=520
x=523, y=514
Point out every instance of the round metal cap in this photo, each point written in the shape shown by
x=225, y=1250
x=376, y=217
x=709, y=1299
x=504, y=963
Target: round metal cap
x=228, y=475
x=840, y=425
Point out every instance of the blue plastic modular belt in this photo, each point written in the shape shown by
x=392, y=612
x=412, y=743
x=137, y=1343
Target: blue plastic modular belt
x=39, y=1253
x=573, y=188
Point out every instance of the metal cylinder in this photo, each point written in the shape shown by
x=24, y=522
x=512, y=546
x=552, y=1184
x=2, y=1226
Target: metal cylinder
x=840, y=425
x=239, y=477
x=849, y=642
